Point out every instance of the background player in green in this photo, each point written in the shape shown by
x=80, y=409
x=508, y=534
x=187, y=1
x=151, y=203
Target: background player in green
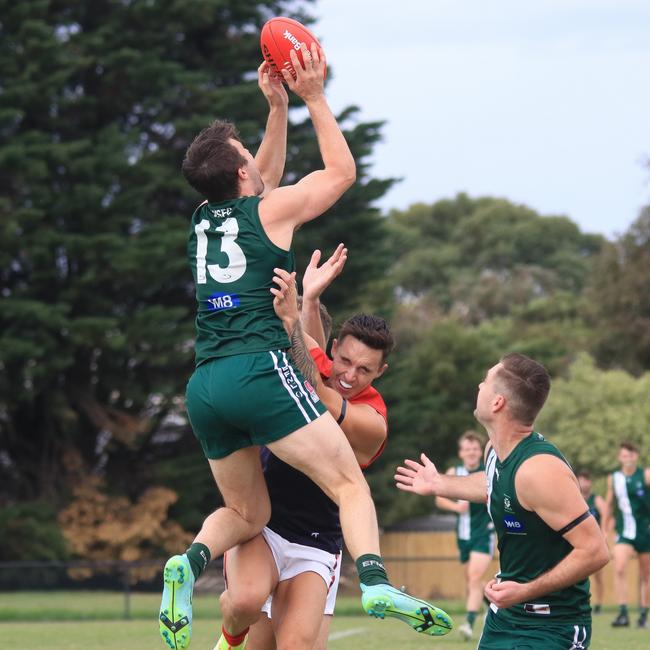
x=628, y=493
x=548, y=541
x=474, y=532
x=245, y=392
x=597, y=507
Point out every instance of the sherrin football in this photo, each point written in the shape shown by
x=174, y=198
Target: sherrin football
x=281, y=35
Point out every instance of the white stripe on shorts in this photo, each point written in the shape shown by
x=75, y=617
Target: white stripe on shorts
x=577, y=642
x=283, y=379
x=302, y=388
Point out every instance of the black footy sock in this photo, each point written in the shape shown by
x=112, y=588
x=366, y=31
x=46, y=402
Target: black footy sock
x=371, y=570
x=199, y=556
x=471, y=617
x=622, y=610
x=643, y=612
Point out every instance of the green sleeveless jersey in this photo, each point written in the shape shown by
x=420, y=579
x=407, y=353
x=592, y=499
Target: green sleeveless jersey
x=591, y=503
x=528, y=547
x=632, y=504
x=476, y=521
x=232, y=261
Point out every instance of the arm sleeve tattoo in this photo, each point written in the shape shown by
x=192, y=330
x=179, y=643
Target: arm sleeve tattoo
x=300, y=355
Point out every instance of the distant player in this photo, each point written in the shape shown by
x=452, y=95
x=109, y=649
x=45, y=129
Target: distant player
x=474, y=531
x=548, y=541
x=245, y=392
x=628, y=493
x=597, y=507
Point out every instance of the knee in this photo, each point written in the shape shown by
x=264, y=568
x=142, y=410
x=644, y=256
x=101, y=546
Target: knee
x=257, y=513
x=474, y=580
x=240, y=604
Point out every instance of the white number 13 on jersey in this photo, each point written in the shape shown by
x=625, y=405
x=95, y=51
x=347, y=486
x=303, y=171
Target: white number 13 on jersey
x=236, y=258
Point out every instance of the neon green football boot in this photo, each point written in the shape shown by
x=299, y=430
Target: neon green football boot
x=384, y=600
x=175, y=619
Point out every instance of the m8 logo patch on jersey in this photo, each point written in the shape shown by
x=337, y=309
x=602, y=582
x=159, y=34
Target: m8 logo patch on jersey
x=221, y=301
x=513, y=526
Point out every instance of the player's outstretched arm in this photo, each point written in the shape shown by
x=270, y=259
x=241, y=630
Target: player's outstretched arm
x=290, y=206
x=423, y=478
x=272, y=153
x=459, y=507
x=547, y=486
x=315, y=280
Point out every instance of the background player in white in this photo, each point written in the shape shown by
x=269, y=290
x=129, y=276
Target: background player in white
x=628, y=502
x=474, y=531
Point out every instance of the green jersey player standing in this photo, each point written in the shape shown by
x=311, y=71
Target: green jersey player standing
x=628, y=493
x=548, y=541
x=245, y=392
x=474, y=532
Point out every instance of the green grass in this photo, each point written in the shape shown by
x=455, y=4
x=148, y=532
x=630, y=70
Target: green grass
x=45, y=621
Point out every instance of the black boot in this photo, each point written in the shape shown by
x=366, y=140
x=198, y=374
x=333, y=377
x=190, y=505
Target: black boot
x=622, y=620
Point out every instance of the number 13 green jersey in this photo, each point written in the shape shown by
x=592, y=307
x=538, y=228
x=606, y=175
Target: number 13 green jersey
x=232, y=261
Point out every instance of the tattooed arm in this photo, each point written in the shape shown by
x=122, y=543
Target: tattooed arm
x=285, y=304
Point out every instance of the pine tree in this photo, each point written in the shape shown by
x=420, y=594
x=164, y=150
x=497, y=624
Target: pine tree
x=100, y=99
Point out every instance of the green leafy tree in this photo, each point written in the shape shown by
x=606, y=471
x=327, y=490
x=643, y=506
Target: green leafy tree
x=481, y=258
x=99, y=102
x=619, y=299
x=591, y=411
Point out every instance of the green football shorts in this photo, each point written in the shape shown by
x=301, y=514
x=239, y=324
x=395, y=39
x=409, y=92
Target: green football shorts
x=248, y=399
x=478, y=544
x=504, y=635
x=641, y=543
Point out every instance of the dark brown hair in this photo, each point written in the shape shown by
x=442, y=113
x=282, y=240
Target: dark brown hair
x=211, y=162
x=471, y=436
x=525, y=384
x=630, y=446
x=371, y=330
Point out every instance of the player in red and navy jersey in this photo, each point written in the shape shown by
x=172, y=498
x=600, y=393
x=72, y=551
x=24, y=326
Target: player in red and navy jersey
x=297, y=558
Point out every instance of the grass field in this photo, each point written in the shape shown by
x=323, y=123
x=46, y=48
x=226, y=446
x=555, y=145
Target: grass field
x=64, y=621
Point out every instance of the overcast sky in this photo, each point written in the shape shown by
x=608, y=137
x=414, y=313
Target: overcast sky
x=544, y=102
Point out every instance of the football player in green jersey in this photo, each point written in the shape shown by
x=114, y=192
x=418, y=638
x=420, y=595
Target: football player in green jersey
x=629, y=492
x=597, y=507
x=245, y=392
x=548, y=541
x=474, y=532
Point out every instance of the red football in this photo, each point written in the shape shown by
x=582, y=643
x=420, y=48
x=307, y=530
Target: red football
x=281, y=35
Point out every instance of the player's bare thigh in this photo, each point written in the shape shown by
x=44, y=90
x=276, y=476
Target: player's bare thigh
x=240, y=480
x=298, y=606
x=477, y=565
x=321, y=450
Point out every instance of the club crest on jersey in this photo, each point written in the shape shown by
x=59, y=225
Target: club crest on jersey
x=221, y=301
x=507, y=504
x=513, y=526
x=312, y=392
